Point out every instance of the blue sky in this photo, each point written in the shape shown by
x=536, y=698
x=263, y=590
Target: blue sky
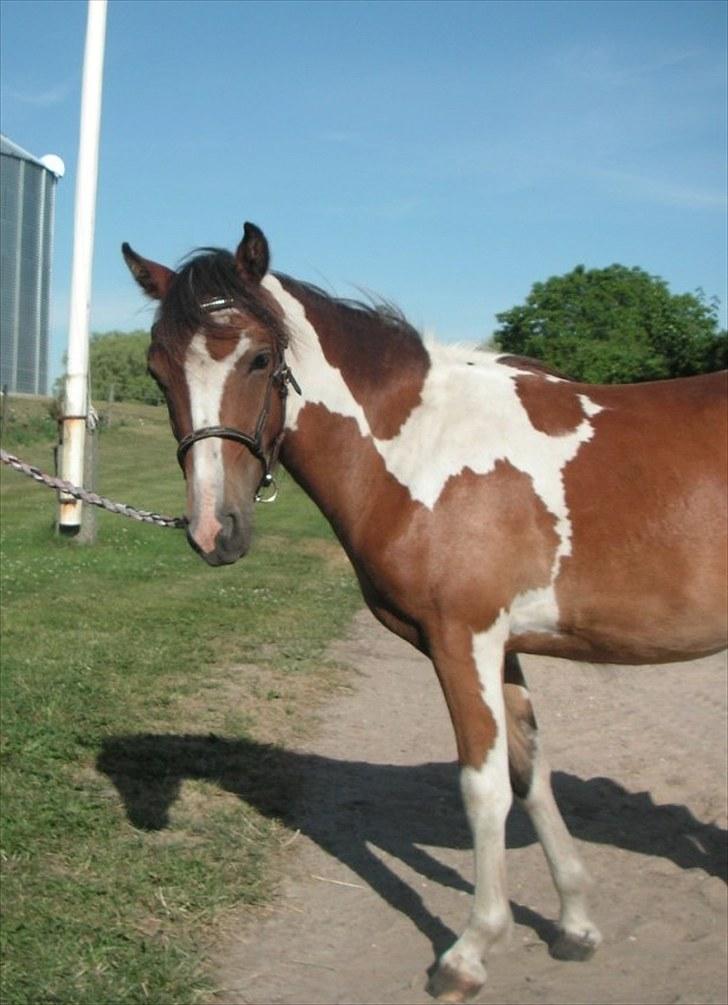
x=443, y=155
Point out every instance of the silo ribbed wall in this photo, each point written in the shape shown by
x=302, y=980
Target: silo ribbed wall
x=27, y=191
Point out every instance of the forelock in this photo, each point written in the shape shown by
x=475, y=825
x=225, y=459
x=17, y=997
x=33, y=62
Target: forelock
x=205, y=275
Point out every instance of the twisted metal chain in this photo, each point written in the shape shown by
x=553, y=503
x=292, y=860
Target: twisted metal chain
x=92, y=498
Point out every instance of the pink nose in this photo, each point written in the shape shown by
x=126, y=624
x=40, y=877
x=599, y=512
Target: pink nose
x=203, y=533
x=223, y=541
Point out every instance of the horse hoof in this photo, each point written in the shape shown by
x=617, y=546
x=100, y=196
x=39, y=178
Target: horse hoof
x=575, y=946
x=450, y=985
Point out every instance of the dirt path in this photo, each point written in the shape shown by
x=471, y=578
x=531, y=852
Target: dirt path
x=380, y=876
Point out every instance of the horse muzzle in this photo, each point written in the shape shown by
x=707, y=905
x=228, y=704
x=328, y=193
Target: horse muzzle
x=224, y=542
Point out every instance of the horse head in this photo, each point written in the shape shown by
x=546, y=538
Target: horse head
x=217, y=353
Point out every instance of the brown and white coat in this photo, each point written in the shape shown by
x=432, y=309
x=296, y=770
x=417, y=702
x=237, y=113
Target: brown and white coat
x=489, y=508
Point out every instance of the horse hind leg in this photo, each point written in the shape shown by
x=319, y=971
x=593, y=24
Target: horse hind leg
x=531, y=782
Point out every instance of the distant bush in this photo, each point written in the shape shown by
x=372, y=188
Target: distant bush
x=118, y=365
x=28, y=423
x=615, y=325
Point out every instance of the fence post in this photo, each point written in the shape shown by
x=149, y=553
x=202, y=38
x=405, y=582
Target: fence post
x=87, y=533
x=2, y=413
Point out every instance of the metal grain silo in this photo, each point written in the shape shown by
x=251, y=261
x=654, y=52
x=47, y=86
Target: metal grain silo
x=27, y=193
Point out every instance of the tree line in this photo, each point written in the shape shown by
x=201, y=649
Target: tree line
x=607, y=326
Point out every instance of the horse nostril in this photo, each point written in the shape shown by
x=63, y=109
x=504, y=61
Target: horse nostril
x=234, y=534
x=231, y=525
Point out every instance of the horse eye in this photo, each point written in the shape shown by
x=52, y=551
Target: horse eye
x=261, y=361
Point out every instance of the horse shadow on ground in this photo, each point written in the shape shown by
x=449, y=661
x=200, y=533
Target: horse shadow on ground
x=349, y=807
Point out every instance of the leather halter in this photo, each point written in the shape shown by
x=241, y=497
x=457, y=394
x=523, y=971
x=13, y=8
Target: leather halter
x=280, y=377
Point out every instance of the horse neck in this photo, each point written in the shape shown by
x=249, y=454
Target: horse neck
x=361, y=373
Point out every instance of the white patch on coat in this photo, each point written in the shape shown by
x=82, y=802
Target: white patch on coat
x=590, y=407
x=320, y=382
x=536, y=610
x=206, y=379
x=224, y=316
x=469, y=416
x=472, y=417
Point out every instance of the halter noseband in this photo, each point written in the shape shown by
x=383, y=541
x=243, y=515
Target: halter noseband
x=281, y=377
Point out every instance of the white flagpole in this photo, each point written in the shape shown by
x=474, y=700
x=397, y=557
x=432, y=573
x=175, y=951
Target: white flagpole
x=76, y=398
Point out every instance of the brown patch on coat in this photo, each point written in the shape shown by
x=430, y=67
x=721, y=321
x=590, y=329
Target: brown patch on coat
x=531, y=365
x=521, y=727
x=646, y=579
x=473, y=722
x=479, y=519
x=223, y=334
x=170, y=376
x=379, y=355
x=460, y=557
x=553, y=407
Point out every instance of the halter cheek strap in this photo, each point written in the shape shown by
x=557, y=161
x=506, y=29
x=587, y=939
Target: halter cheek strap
x=224, y=432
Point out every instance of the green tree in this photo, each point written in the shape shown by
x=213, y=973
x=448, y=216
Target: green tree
x=615, y=325
x=118, y=364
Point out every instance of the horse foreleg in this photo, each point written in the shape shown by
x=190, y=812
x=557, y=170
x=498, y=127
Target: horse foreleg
x=531, y=781
x=470, y=670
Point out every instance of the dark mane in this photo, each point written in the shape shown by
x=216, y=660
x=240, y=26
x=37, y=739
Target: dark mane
x=377, y=310
x=373, y=345
x=209, y=273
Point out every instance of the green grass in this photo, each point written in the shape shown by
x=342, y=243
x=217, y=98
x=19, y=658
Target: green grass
x=145, y=699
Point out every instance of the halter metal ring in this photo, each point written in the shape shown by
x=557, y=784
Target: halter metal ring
x=268, y=484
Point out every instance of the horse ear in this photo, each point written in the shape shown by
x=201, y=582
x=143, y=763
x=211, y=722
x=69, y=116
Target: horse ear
x=153, y=278
x=252, y=256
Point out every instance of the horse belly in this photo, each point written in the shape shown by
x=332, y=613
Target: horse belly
x=609, y=631
x=610, y=628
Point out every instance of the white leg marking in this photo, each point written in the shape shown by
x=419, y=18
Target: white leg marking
x=568, y=873
x=487, y=797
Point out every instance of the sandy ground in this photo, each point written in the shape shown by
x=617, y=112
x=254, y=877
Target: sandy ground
x=379, y=880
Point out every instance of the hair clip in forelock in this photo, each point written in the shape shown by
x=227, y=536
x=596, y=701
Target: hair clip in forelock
x=216, y=304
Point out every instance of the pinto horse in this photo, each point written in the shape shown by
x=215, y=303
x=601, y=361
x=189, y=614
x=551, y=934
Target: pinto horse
x=489, y=507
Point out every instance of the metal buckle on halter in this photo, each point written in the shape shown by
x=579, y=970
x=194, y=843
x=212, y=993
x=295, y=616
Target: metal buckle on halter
x=284, y=376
